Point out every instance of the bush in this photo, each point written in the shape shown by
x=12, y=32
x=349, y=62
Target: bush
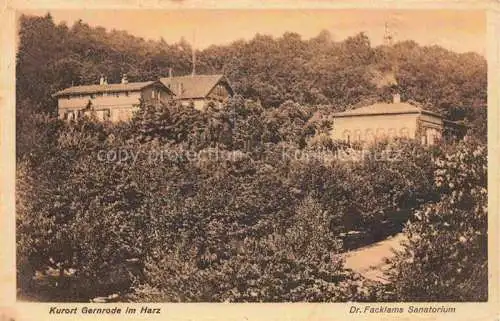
x=77, y=213
x=374, y=190
x=211, y=206
x=445, y=258
x=296, y=263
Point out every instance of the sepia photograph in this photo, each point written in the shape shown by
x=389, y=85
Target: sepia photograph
x=251, y=156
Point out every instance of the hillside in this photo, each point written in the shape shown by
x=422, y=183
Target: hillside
x=272, y=70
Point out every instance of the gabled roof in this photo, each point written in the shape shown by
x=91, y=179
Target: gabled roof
x=385, y=109
x=196, y=86
x=94, y=89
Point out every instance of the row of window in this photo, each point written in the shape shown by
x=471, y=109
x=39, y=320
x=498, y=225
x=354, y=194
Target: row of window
x=156, y=94
x=430, y=135
x=370, y=134
x=103, y=114
x=220, y=91
x=109, y=94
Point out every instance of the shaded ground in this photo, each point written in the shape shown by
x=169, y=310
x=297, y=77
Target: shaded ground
x=370, y=260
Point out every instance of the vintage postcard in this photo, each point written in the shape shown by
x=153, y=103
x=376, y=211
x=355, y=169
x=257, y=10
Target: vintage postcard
x=273, y=160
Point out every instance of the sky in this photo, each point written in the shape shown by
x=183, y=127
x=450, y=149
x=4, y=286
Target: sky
x=457, y=30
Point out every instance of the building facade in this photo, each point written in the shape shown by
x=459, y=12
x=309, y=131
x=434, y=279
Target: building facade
x=386, y=121
x=199, y=90
x=117, y=102
x=113, y=102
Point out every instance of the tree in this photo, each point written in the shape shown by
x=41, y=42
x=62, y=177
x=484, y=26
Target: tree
x=445, y=258
x=86, y=212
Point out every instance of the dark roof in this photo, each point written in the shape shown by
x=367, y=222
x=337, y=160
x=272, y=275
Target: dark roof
x=385, y=109
x=94, y=89
x=196, y=86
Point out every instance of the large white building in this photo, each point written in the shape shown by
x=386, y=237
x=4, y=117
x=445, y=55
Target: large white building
x=388, y=120
x=117, y=102
x=114, y=102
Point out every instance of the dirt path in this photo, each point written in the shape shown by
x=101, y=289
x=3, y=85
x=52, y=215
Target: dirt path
x=370, y=261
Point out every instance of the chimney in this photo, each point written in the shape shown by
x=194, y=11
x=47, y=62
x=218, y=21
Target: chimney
x=101, y=80
x=180, y=89
x=105, y=80
x=124, y=79
x=193, y=53
x=396, y=98
x=170, y=73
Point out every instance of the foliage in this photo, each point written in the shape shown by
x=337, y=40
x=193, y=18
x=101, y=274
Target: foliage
x=317, y=71
x=187, y=219
x=247, y=202
x=71, y=191
x=445, y=258
x=295, y=263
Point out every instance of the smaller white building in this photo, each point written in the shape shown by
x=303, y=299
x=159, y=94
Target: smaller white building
x=388, y=120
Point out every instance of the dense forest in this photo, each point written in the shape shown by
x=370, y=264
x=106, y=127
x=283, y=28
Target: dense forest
x=273, y=70
x=244, y=207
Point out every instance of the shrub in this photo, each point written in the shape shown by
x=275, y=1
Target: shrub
x=445, y=258
x=295, y=263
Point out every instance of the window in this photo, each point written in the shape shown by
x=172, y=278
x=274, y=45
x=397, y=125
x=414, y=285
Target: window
x=347, y=136
x=357, y=135
x=219, y=90
x=103, y=114
x=126, y=93
x=391, y=132
x=369, y=135
x=405, y=133
x=380, y=133
x=432, y=136
x=438, y=134
x=424, y=139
